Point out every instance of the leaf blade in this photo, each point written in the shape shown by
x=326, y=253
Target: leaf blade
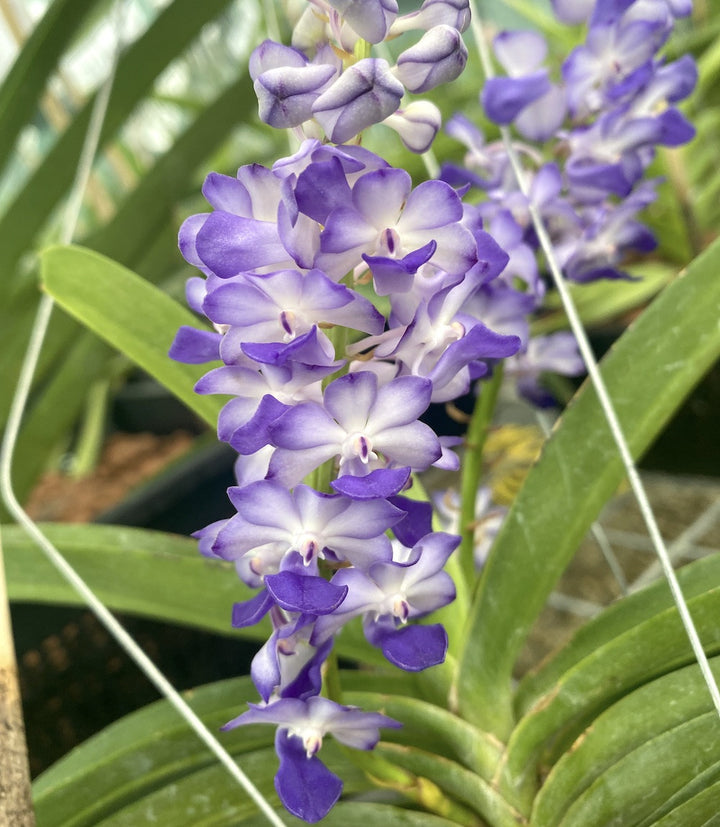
x=128, y=313
x=677, y=337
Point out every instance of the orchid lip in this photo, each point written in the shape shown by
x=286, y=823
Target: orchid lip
x=287, y=318
x=400, y=608
x=358, y=445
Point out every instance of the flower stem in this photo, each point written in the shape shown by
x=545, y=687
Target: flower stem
x=472, y=468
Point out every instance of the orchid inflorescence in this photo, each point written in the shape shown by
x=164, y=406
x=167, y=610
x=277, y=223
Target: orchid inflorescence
x=327, y=392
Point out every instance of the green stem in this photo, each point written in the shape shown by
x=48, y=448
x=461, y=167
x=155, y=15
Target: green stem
x=472, y=469
x=92, y=431
x=332, y=688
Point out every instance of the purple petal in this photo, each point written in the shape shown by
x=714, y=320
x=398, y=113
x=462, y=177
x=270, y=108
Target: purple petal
x=227, y=194
x=304, y=593
x=321, y=188
x=255, y=433
x=194, y=347
x=414, y=444
x=307, y=426
x=305, y=785
x=414, y=648
x=286, y=94
x=271, y=55
x=505, y=98
x=520, y=52
x=229, y=244
x=350, y=398
x=438, y=57
x=251, y=611
x=379, y=484
x=371, y=19
x=417, y=124
x=416, y=523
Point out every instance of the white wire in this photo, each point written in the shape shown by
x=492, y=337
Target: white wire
x=9, y=443
x=682, y=544
x=597, y=531
x=599, y=384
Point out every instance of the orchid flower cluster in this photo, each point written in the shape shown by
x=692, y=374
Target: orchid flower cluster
x=613, y=105
x=327, y=83
x=326, y=391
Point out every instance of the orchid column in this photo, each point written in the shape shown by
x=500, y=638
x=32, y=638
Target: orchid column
x=326, y=391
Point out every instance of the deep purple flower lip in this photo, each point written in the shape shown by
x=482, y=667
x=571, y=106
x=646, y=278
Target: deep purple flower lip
x=304, y=593
x=381, y=483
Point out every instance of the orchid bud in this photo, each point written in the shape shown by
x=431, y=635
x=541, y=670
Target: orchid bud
x=286, y=94
x=573, y=11
x=438, y=57
x=271, y=55
x=455, y=13
x=371, y=19
x=310, y=29
x=417, y=125
x=363, y=95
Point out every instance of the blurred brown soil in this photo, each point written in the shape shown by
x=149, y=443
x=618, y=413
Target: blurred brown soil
x=127, y=460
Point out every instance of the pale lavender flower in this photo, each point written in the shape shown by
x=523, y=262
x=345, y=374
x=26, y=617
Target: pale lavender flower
x=272, y=523
x=306, y=787
x=438, y=57
x=366, y=426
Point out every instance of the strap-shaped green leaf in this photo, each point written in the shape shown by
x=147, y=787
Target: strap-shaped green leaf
x=614, y=621
x=466, y=787
x=433, y=728
x=57, y=408
x=699, y=811
x=172, y=31
x=635, y=789
x=128, y=313
x=150, y=573
x=636, y=719
x=146, y=572
x=149, y=765
x=28, y=77
x=648, y=373
x=641, y=654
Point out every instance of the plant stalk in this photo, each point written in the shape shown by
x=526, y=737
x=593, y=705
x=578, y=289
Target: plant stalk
x=472, y=468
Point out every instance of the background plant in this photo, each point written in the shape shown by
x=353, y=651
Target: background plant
x=549, y=710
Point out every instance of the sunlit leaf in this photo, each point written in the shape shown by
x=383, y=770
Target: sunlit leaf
x=128, y=313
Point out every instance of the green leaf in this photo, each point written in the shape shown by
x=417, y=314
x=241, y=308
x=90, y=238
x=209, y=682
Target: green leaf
x=150, y=768
x=128, y=313
x=602, y=301
x=151, y=206
x=650, y=649
x=35, y=62
x=648, y=373
x=433, y=728
x=616, y=620
x=57, y=408
x=627, y=725
x=150, y=573
x=453, y=780
x=175, y=27
x=637, y=786
x=699, y=811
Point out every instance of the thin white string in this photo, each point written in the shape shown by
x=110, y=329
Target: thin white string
x=597, y=531
x=598, y=383
x=683, y=543
x=640, y=542
x=9, y=443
